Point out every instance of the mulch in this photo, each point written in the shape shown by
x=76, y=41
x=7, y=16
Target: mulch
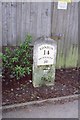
x=18, y=91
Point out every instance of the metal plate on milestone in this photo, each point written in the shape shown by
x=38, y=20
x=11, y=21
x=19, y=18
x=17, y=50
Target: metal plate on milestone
x=46, y=54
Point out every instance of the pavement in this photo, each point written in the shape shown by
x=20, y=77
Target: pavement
x=46, y=109
x=0, y=114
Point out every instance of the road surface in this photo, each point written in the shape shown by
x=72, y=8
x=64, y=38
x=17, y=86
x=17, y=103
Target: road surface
x=45, y=110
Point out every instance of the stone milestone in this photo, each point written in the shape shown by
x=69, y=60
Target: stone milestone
x=44, y=61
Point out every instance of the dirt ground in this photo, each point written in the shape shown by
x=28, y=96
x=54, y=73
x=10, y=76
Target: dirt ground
x=17, y=91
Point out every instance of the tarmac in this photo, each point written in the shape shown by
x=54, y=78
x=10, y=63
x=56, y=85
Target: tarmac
x=63, y=107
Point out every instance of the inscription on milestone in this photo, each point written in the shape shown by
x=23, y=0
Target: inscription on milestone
x=45, y=54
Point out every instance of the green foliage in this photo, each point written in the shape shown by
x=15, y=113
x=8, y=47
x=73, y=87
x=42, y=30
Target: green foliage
x=0, y=59
x=0, y=55
x=17, y=61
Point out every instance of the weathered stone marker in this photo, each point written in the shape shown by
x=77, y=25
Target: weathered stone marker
x=44, y=60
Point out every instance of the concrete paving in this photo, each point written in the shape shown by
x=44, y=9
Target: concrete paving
x=45, y=110
x=0, y=114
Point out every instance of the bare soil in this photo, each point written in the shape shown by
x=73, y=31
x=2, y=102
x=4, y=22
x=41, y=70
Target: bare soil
x=17, y=91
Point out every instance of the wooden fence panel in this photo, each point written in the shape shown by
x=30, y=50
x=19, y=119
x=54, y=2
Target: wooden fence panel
x=22, y=18
x=38, y=19
x=4, y=24
x=0, y=26
x=9, y=23
x=65, y=23
x=79, y=35
x=13, y=23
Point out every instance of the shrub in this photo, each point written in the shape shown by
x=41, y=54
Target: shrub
x=17, y=61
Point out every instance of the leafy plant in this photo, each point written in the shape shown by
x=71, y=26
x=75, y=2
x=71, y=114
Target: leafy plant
x=17, y=61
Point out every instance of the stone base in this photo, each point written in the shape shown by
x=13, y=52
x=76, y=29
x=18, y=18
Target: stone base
x=43, y=75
